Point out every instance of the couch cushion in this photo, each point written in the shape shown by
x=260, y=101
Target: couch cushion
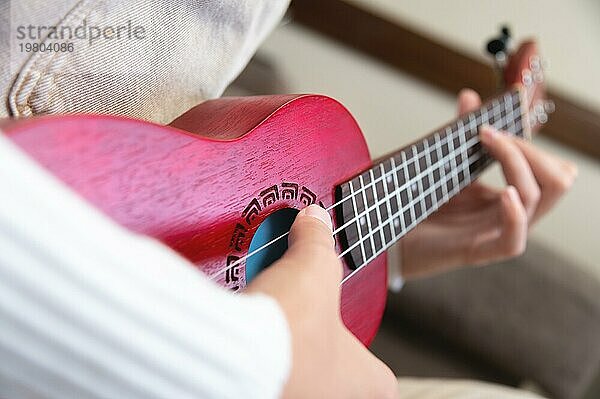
x=536, y=317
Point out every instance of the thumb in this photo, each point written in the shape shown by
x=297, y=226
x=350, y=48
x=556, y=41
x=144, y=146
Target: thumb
x=313, y=226
x=311, y=244
x=310, y=254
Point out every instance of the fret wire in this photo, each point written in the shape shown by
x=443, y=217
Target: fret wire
x=441, y=197
x=472, y=121
x=388, y=205
x=397, y=195
x=357, y=221
x=442, y=140
x=412, y=225
x=461, y=137
x=512, y=118
x=508, y=101
x=490, y=114
x=406, y=185
x=515, y=107
x=477, y=115
x=454, y=190
x=410, y=182
x=368, y=219
x=445, y=198
x=496, y=113
x=512, y=113
x=453, y=162
x=502, y=108
x=487, y=118
x=419, y=181
x=504, y=104
x=467, y=125
x=375, y=194
x=450, y=157
x=430, y=173
x=475, y=126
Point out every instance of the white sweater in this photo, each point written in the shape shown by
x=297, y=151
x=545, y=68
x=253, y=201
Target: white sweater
x=89, y=310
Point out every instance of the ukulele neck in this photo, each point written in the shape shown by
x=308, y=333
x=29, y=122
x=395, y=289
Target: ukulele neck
x=383, y=203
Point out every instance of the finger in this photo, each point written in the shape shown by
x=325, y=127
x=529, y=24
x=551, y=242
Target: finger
x=554, y=175
x=474, y=196
x=517, y=171
x=311, y=242
x=468, y=100
x=512, y=239
x=310, y=266
x=483, y=192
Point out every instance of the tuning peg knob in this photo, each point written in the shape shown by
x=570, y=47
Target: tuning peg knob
x=499, y=46
x=549, y=106
x=526, y=77
x=541, y=111
x=535, y=64
x=496, y=46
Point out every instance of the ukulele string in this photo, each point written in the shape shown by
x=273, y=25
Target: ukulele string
x=369, y=235
x=358, y=216
x=442, y=161
x=413, y=224
x=477, y=156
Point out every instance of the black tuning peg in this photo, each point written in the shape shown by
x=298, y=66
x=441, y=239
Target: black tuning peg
x=499, y=46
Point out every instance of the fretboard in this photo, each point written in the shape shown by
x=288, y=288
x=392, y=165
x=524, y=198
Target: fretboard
x=382, y=204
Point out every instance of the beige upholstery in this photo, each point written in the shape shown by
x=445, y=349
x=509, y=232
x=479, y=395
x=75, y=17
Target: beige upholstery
x=534, y=318
x=429, y=388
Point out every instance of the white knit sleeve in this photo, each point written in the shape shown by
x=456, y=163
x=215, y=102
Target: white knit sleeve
x=90, y=310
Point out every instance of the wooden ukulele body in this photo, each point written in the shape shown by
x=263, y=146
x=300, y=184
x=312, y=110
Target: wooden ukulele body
x=204, y=184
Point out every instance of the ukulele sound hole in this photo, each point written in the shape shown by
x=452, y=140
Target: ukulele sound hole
x=276, y=224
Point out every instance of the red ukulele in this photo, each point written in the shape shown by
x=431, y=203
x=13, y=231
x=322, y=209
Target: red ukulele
x=223, y=182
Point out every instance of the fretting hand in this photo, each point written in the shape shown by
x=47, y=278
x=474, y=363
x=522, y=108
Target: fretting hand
x=483, y=224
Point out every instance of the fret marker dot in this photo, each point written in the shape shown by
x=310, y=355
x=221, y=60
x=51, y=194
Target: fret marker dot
x=413, y=187
x=389, y=179
x=363, y=221
x=396, y=223
x=447, y=166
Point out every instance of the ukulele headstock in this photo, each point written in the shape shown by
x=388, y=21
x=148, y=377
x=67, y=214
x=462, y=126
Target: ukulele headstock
x=525, y=69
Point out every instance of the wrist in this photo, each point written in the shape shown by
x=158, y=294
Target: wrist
x=395, y=277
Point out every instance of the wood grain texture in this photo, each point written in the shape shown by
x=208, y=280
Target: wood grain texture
x=572, y=123
x=205, y=197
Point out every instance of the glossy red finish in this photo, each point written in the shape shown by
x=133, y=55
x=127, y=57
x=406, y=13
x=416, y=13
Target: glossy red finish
x=204, y=193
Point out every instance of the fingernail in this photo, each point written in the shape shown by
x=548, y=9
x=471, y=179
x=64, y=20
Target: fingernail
x=488, y=131
x=317, y=212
